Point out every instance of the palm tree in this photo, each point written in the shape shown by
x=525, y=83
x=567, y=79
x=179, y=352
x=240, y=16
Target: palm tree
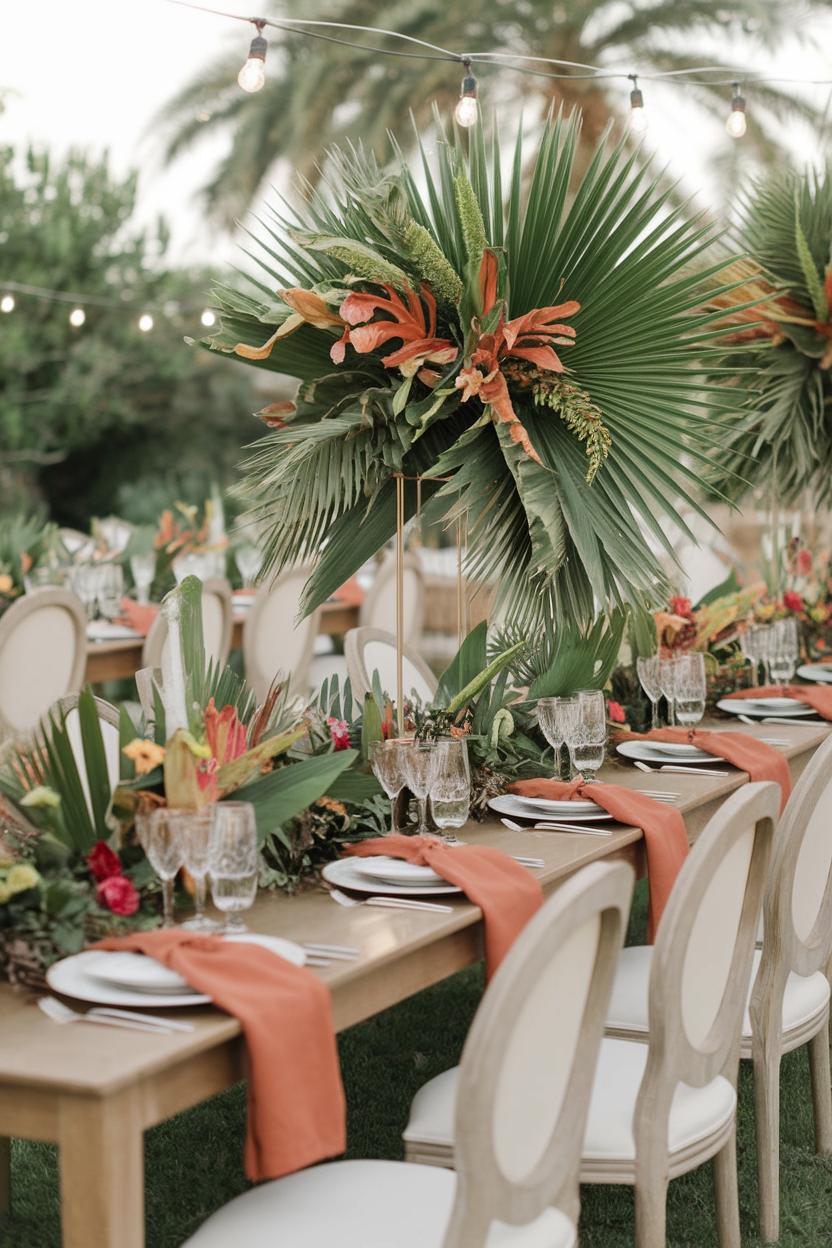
x=318, y=94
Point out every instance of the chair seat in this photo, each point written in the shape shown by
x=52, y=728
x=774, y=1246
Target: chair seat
x=806, y=996
x=362, y=1204
x=695, y=1114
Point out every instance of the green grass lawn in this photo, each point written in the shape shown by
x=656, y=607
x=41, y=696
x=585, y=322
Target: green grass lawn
x=194, y=1162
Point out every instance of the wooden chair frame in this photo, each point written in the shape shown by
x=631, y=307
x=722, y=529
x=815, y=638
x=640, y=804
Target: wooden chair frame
x=12, y=619
x=784, y=952
x=361, y=680
x=484, y=1192
x=386, y=573
x=259, y=680
x=155, y=639
x=105, y=709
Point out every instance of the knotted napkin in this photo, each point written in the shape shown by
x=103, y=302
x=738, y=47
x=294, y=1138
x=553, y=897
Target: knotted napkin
x=665, y=838
x=296, y=1104
x=507, y=893
x=819, y=697
x=761, y=760
x=139, y=616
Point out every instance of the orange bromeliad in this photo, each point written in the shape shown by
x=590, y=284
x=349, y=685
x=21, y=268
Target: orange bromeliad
x=406, y=321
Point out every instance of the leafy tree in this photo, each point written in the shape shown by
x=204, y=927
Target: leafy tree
x=88, y=413
x=317, y=94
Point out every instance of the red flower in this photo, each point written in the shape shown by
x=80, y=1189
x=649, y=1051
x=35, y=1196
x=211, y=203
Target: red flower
x=118, y=895
x=102, y=862
x=803, y=560
x=616, y=712
x=340, y=733
x=792, y=601
x=681, y=606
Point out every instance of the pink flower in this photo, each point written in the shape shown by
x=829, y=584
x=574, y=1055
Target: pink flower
x=616, y=712
x=340, y=733
x=118, y=895
x=792, y=601
x=102, y=862
x=681, y=606
x=803, y=560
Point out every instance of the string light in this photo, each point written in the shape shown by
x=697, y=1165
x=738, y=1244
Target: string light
x=77, y=317
x=252, y=76
x=467, y=109
x=145, y=322
x=736, y=125
x=638, y=113
x=208, y=318
x=7, y=303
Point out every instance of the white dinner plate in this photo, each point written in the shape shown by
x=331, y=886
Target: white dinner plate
x=74, y=977
x=819, y=672
x=508, y=804
x=760, y=708
x=106, y=630
x=138, y=973
x=397, y=871
x=557, y=806
x=344, y=873
x=658, y=752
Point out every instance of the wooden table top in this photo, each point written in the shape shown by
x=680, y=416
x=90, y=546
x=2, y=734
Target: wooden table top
x=401, y=951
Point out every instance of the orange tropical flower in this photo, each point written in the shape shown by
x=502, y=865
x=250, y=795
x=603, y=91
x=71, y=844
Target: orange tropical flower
x=308, y=308
x=225, y=734
x=407, y=321
x=145, y=755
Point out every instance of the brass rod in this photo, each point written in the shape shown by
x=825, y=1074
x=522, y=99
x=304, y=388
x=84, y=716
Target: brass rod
x=400, y=602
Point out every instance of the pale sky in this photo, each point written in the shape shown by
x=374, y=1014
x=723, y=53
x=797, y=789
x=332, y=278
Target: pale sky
x=92, y=73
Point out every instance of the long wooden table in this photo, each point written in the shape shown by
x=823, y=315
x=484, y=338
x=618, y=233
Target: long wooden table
x=119, y=660
x=95, y=1091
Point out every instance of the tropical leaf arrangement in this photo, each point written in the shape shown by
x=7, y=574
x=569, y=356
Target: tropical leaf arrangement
x=782, y=439
x=536, y=352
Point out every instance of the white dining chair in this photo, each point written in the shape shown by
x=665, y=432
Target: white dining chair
x=66, y=711
x=519, y=1119
x=369, y=650
x=665, y=1103
x=788, y=992
x=275, y=639
x=217, y=625
x=378, y=610
x=43, y=653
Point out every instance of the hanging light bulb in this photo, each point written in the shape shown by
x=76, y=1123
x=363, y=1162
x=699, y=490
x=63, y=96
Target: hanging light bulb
x=638, y=113
x=737, y=124
x=208, y=318
x=253, y=74
x=467, y=110
x=77, y=317
x=7, y=303
x=145, y=322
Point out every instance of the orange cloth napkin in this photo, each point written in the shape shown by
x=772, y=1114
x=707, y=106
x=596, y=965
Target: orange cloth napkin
x=507, y=893
x=760, y=760
x=350, y=593
x=665, y=837
x=819, y=697
x=137, y=615
x=296, y=1104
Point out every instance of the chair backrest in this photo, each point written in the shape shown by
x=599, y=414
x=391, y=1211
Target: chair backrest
x=378, y=610
x=701, y=966
x=369, y=650
x=274, y=640
x=217, y=624
x=43, y=653
x=108, y=719
x=529, y=1059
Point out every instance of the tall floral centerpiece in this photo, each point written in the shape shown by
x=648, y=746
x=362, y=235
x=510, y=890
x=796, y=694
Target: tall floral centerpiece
x=532, y=351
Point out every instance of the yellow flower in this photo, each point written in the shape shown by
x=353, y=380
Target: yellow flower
x=41, y=796
x=21, y=877
x=6, y=583
x=145, y=755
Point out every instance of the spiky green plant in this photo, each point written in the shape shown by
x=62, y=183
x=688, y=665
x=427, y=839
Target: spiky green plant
x=554, y=543
x=783, y=437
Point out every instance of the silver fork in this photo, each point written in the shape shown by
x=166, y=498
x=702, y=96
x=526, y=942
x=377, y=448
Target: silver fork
x=60, y=1013
x=390, y=903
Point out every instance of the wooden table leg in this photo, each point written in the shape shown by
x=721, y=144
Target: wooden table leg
x=101, y=1158
x=5, y=1174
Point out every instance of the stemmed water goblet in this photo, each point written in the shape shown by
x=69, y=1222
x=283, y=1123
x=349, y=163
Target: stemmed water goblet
x=163, y=849
x=647, y=669
x=587, y=738
x=110, y=589
x=387, y=762
x=249, y=561
x=556, y=717
x=195, y=831
x=419, y=759
x=783, y=651
x=143, y=569
x=667, y=669
x=690, y=689
x=450, y=790
x=232, y=861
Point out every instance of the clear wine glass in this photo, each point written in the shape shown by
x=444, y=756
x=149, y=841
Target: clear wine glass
x=387, y=762
x=85, y=583
x=647, y=669
x=750, y=645
x=556, y=717
x=249, y=561
x=195, y=830
x=419, y=761
x=784, y=651
x=588, y=734
x=450, y=790
x=667, y=683
x=163, y=849
x=143, y=569
x=232, y=863
x=691, y=689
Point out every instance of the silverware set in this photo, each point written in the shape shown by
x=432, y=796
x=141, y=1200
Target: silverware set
x=680, y=769
x=106, y=1017
x=390, y=903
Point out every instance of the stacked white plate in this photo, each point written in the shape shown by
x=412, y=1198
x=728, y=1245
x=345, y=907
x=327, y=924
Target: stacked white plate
x=580, y=811
x=381, y=874
x=762, y=708
x=106, y=630
x=118, y=977
x=667, y=752
x=821, y=673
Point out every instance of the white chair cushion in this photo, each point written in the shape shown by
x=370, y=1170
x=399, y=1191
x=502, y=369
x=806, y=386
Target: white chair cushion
x=362, y=1204
x=695, y=1113
x=805, y=996
x=432, y=1111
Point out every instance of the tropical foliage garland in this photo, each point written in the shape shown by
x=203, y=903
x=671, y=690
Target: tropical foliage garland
x=539, y=354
